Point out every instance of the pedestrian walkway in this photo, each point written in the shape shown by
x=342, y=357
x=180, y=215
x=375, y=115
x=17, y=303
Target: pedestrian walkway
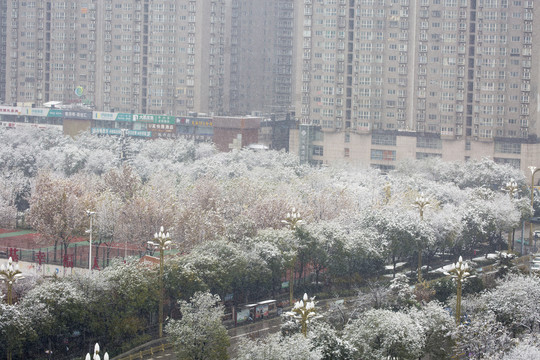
x=16, y=233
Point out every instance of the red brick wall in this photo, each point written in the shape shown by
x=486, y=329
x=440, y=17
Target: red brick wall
x=226, y=129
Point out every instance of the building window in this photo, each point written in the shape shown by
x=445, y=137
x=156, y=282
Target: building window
x=346, y=152
x=428, y=143
x=383, y=139
x=486, y=133
x=388, y=155
x=423, y=155
x=516, y=163
x=507, y=147
x=318, y=150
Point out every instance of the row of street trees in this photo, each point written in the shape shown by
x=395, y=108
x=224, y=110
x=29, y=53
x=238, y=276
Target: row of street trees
x=117, y=307
x=204, y=195
x=355, y=220
x=66, y=316
x=225, y=214
x=393, y=323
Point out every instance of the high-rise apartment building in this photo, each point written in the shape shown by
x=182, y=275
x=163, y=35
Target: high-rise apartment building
x=383, y=80
x=261, y=56
x=162, y=56
x=370, y=81
x=3, y=48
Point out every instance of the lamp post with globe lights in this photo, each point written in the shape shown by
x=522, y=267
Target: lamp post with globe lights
x=292, y=221
x=421, y=203
x=9, y=274
x=91, y=215
x=162, y=241
x=96, y=356
x=511, y=187
x=459, y=271
x=303, y=311
x=534, y=170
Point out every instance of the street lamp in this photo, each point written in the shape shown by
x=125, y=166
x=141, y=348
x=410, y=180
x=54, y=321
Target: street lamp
x=511, y=187
x=421, y=202
x=304, y=311
x=161, y=241
x=91, y=215
x=292, y=221
x=9, y=274
x=534, y=170
x=459, y=272
x=96, y=354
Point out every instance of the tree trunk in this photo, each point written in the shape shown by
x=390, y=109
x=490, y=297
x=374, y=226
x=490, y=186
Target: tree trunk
x=96, y=254
x=301, y=273
x=55, y=248
x=393, y=265
x=66, y=244
x=108, y=253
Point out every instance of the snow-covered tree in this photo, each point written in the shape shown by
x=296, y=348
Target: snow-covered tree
x=61, y=306
x=123, y=182
x=329, y=342
x=199, y=334
x=101, y=153
x=14, y=195
x=516, y=303
x=229, y=268
x=438, y=327
x=140, y=217
x=402, y=296
x=401, y=230
x=486, y=214
x=382, y=334
x=126, y=306
x=525, y=349
x=107, y=214
x=20, y=150
x=469, y=174
x=277, y=347
x=16, y=329
x=57, y=209
x=354, y=248
x=482, y=336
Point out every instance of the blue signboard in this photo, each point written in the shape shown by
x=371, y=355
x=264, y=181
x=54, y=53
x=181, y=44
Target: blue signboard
x=55, y=113
x=106, y=131
x=124, y=117
x=77, y=114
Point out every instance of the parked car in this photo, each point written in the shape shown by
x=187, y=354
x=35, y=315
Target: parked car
x=535, y=219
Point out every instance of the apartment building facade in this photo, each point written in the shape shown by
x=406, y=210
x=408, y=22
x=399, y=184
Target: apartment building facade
x=384, y=80
x=370, y=81
x=169, y=57
x=262, y=43
x=3, y=48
